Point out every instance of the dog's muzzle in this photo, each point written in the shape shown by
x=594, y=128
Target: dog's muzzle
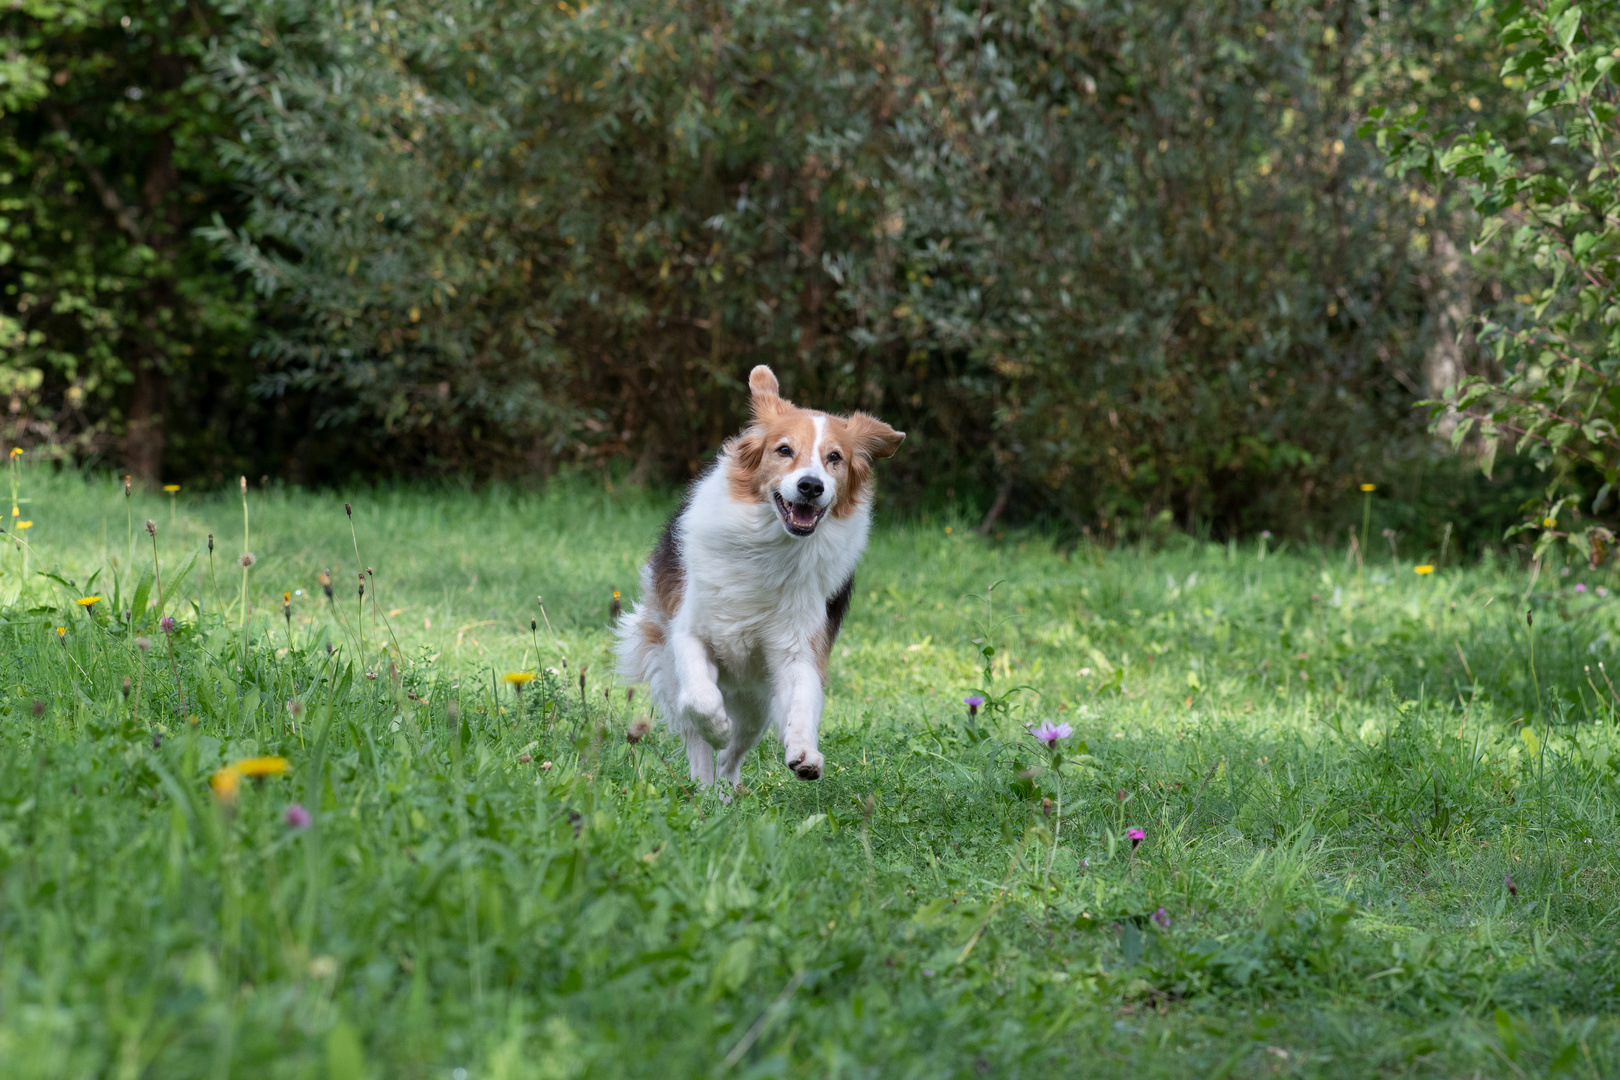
x=800, y=518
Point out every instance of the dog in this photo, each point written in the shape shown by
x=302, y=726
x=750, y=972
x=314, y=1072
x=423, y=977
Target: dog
x=745, y=592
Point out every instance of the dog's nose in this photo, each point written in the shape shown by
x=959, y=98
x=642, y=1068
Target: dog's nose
x=810, y=488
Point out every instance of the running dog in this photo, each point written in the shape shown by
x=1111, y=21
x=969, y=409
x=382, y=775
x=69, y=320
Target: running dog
x=743, y=597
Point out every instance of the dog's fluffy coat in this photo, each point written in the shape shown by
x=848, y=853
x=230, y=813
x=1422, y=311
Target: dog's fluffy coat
x=743, y=597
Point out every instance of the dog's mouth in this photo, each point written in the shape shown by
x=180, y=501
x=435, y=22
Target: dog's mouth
x=800, y=518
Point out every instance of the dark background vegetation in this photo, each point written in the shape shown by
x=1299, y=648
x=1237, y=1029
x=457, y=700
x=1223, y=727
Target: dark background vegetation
x=1109, y=264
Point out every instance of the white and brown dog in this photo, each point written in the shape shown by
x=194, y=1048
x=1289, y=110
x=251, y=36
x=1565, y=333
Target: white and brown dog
x=744, y=594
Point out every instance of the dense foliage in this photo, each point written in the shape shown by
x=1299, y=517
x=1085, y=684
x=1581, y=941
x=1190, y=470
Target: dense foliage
x=1105, y=256
x=121, y=333
x=1099, y=259
x=1543, y=180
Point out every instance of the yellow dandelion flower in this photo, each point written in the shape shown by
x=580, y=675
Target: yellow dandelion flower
x=518, y=678
x=88, y=601
x=16, y=451
x=61, y=631
x=226, y=782
x=262, y=766
x=171, y=488
x=1424, y=569
x=21, y=525
x=1369, y=487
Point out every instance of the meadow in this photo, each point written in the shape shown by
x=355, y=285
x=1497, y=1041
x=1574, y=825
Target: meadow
x=1375, y=808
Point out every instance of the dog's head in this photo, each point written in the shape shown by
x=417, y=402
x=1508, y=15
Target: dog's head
x=804, y=463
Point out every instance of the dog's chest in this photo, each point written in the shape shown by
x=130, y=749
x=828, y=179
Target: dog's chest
x=749, y=598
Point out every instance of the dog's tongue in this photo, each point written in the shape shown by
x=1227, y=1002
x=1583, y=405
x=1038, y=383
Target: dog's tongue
x=802, y=514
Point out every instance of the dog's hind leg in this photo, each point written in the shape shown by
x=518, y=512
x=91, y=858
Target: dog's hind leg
x=748, y=718
x=700, y=758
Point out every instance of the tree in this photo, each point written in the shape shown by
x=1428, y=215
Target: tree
x=115, y=314
x=1543, y=179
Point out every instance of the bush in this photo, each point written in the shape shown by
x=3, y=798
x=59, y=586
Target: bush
x=1097, y=261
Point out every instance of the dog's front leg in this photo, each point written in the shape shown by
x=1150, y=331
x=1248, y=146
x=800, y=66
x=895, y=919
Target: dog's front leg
x=697, y=690
x=798, y=707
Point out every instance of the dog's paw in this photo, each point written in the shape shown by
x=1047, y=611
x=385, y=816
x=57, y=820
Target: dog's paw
x=807, y=764
x=705, y=713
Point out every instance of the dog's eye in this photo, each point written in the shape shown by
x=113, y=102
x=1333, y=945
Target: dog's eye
x=834, y=458
x=785, y=450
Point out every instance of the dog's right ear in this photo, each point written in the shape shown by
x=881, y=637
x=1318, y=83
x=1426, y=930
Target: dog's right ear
x=765, y=398
x=748, y=449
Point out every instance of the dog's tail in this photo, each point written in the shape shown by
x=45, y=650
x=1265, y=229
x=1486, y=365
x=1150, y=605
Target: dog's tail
x=642, y=633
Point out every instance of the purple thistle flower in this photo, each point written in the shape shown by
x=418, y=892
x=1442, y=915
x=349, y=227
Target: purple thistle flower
x=166, y=624
x=1162, y=917
x=1580, y=588
x=297, y=816
x=973, y=702
x=1049, y=733
x=1136, y=836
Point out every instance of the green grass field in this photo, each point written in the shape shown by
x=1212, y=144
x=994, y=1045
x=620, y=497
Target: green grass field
x=1337, y=775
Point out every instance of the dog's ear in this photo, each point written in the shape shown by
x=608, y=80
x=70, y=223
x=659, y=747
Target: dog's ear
x=765, y=399
x=748, y=449
x=872, y=437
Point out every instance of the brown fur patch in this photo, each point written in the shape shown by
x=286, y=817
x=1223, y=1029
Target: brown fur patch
x=769, y=450
x=652, y=634
x=822, y=642
x=860, y=438
x=669, y=580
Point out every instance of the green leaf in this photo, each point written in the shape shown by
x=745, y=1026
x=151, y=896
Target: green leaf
x=1566, y=26
x=137, y=607
x=173, y=585
x=345, y=1058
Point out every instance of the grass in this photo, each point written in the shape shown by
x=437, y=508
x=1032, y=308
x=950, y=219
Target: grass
x=1337, y=775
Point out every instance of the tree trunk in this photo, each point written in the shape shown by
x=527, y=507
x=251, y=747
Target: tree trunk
x=1451, y=306
x=143, y=435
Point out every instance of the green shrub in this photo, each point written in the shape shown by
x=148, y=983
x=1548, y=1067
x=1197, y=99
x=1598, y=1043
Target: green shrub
x=1104, y=260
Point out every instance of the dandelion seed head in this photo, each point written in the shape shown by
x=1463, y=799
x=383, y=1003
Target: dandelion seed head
x=247, y=559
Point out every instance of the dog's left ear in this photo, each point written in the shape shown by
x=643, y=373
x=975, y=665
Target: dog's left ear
x=765, y=393
x=872, y=437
